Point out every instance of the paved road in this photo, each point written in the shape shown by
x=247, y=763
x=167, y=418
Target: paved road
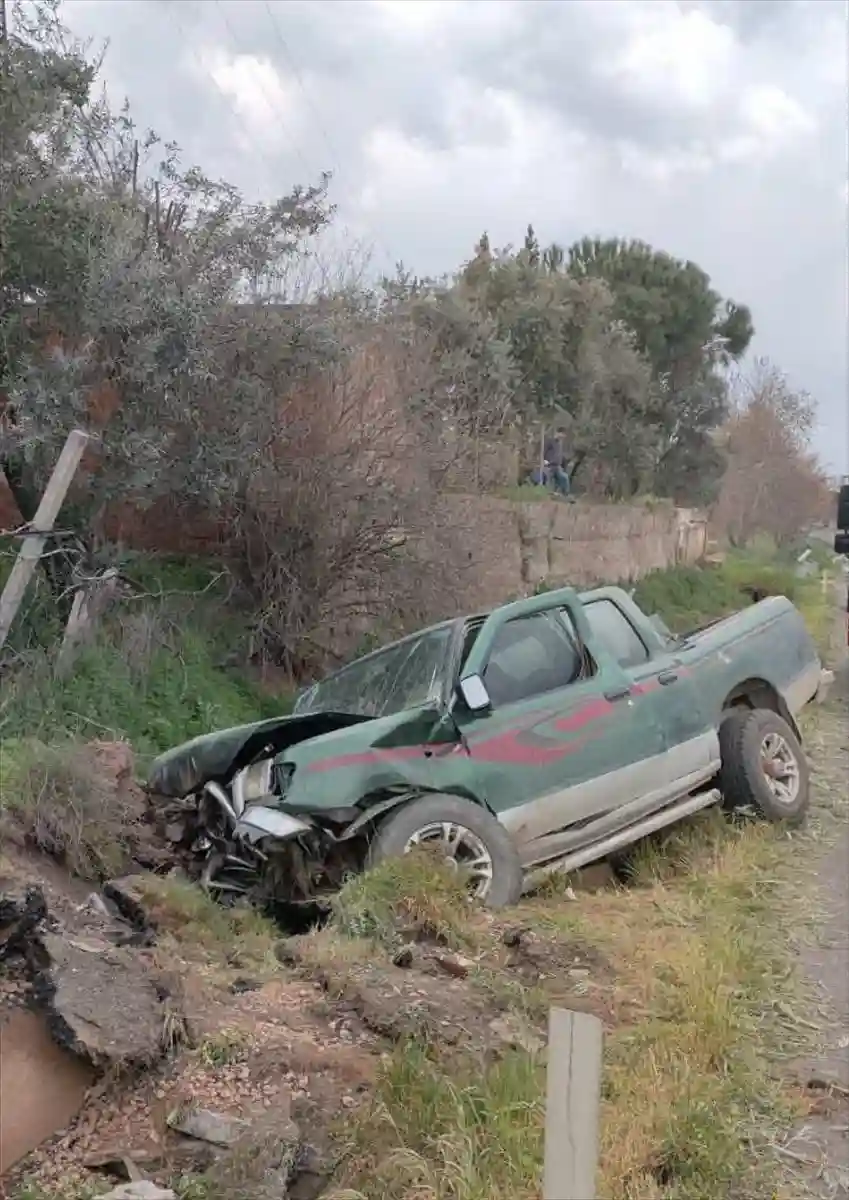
x=823, y=1138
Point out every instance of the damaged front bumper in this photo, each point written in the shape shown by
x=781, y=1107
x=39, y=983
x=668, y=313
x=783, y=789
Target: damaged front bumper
x=258, y=822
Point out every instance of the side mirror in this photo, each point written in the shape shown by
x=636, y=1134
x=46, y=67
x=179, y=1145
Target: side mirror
x=841, y=543
x=473, y=691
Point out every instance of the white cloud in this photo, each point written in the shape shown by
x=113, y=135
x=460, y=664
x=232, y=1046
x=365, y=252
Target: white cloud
x=674, y=57
x=269, y=108
x=770, y=113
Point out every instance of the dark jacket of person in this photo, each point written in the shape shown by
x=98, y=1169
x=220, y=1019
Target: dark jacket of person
x=554, y=453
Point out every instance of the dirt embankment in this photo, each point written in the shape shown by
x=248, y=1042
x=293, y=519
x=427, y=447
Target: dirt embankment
x=149, y=1034
x=192, y=1043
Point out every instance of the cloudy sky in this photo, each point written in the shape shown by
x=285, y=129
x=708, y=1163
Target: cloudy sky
x=714, y=129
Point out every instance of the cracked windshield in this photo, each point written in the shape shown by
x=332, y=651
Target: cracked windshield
x=387, y=682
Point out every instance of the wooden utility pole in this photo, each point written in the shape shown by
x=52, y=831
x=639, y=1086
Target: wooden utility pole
x=41, y=527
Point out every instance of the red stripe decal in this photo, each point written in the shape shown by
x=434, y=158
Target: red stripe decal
x=519, y=746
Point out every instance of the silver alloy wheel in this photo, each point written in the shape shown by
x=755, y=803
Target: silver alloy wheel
x=461, y=848
x=780, y=768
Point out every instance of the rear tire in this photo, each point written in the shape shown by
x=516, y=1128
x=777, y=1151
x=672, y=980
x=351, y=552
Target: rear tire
x=763, y=766
x=471, y=836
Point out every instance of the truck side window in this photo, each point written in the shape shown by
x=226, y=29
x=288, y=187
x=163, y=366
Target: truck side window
x=531, y=655
x=613, y=629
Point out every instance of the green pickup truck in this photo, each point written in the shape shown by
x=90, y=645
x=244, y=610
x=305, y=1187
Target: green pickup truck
x=547, y=734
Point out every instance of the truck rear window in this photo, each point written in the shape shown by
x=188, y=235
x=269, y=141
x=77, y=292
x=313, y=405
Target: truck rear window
x=613, y=629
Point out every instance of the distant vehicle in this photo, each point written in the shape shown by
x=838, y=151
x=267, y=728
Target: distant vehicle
x=542, y=736
x=841, y=540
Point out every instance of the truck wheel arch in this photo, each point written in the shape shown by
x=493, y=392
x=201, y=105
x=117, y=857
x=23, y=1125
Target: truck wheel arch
x=759, y=693
x=376, y=806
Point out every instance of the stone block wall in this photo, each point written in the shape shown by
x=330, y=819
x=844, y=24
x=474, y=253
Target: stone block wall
x=507, y=548
x=513, y=548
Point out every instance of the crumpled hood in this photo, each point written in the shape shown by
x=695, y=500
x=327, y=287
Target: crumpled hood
x=339, y=768
x=214, y=756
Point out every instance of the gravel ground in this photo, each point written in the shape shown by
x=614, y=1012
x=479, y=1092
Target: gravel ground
x=821, y=1142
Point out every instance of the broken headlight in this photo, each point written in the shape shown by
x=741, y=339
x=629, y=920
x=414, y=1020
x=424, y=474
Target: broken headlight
x=251, y=784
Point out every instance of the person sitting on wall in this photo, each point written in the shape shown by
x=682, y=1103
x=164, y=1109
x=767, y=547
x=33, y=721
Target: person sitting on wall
x=555, y=474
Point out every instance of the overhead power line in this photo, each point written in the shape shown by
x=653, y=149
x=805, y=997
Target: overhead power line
x=335, y=157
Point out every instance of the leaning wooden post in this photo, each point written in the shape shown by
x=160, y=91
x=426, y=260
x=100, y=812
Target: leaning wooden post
x=42, y=524
x=572, y=1105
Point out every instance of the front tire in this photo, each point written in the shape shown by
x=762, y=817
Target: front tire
x=466, y=833
x=763, y=766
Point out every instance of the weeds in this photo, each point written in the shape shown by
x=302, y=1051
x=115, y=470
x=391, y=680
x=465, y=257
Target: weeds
x=191, y=919
x=31, y=1191
x=161, y=670
x=689, y=597
x=475, y=1133
x=695, y=961
x=57, y=799
x=411, y=898
x=525, y=493
x=223, y=1048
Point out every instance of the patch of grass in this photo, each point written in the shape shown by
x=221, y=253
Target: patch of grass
x=148, y=685
x=330, y=953
x=414, y=897
x=224, y=1047
x=475, y=1133
x=688, y=597
x=57, y=799
x=695, y=960
x=194, y=922
x=163, y=668
x=81, y=1191
x=525, y=493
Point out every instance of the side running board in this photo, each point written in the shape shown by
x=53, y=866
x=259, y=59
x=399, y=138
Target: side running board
x=624, y=837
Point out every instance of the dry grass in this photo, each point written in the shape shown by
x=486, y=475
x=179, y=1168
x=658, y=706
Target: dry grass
x=462, y=1133
x=699, y=1001
x=58, y=800
x=192, y=927
x=699, y=957
x=225, y=1047
x=31, y=1191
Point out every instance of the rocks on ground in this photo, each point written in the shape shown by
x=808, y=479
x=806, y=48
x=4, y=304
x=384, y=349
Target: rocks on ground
x=261, y=1055
x=141, y=1189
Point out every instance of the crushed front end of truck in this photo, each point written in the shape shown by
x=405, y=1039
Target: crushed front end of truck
x=281, y=811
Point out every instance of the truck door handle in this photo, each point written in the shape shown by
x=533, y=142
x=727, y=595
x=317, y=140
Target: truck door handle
x=666, y=677
x=618, y=693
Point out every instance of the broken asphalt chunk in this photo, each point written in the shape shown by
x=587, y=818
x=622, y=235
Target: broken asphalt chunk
x=207, y=1126
x=103, y=1004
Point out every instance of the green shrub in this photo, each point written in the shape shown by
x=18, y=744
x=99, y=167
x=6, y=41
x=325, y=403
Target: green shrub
x=414, y=896
x=164, y=667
